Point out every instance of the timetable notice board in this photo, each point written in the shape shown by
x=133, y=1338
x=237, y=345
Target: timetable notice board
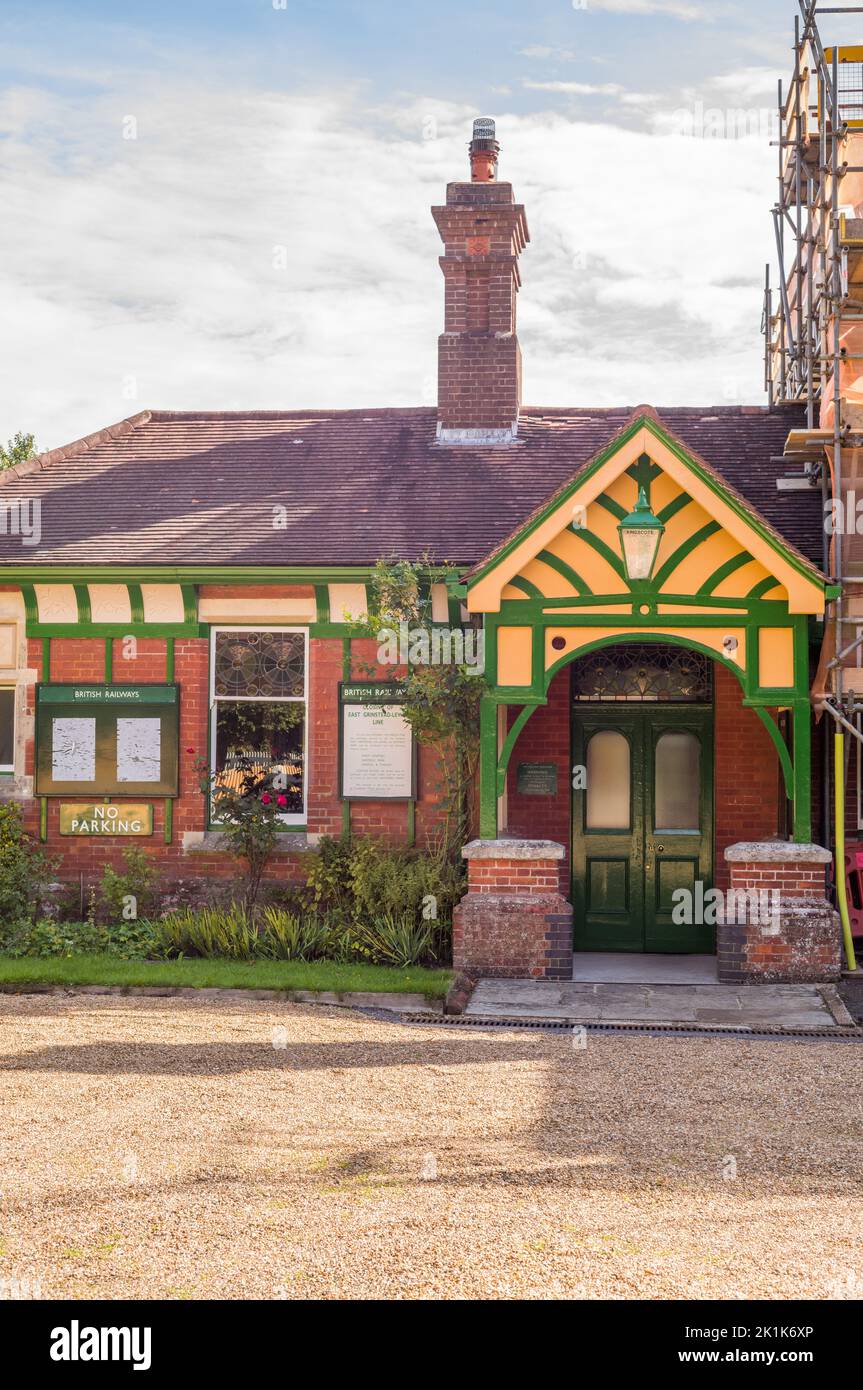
x=378, y=749
x=120, y=740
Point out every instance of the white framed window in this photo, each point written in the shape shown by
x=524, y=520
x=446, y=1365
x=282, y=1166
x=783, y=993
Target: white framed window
x=7, y=728
x=259, y=679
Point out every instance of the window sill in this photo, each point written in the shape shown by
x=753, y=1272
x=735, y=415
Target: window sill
x=214, y=842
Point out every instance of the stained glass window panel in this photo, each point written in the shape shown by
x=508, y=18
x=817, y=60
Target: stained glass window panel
x=643, y=671
x=260, y=665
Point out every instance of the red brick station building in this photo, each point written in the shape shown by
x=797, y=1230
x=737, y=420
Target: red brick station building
x=652, y=605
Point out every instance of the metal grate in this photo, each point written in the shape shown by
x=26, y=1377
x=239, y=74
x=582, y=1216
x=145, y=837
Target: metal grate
x=693, y=1030
x=850, y=91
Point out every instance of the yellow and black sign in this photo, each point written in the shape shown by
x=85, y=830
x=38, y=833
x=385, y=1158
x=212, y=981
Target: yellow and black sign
x=105, y=819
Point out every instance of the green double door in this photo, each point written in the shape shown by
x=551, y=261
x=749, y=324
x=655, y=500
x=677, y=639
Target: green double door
x=642, y=827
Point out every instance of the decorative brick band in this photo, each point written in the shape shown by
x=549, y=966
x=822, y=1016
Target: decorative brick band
x=798, y=941
x=513, y=921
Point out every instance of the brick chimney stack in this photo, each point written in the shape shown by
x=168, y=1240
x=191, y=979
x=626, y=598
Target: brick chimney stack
x=479, y=359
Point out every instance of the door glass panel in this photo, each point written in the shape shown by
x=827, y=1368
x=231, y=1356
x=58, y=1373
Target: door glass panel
x=678, y=782
x=608, y=781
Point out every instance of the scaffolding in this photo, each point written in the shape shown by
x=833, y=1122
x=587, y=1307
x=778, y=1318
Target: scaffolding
x=813, y=324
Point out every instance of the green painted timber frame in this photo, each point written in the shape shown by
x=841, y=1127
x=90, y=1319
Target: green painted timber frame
x=750, y=614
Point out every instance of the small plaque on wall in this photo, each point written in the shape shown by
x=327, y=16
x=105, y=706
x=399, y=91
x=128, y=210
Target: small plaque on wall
x=537, y=779
x=105, y=819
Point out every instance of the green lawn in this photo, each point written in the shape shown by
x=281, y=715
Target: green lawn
x=226, y=974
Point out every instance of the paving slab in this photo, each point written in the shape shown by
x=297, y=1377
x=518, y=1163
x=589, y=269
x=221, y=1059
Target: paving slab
x=748, y=1006
x=619, y=967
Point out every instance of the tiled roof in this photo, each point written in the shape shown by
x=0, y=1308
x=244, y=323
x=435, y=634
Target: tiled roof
x=200, y=488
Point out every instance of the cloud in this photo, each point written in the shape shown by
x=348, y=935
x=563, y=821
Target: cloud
x=576, y=89
x=268, y=250
x=675, y=9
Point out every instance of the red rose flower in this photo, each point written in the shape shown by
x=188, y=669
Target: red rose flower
x=282, y=801
x=266, y=798
x=190, y=750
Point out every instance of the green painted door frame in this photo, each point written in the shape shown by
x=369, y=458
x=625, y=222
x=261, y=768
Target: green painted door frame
x=624, y=879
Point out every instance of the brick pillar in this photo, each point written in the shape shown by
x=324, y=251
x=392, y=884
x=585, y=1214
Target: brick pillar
x=781, y=926
x=513, y=920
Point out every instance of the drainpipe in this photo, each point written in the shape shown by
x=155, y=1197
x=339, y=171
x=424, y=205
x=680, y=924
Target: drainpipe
x=841, y=889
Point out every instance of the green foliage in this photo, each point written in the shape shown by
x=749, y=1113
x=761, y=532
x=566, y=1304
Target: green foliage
x=47, y=938
x=25, y=870
x=328, y=881
x=442, y=701
x=249, y=818
x=209, y=931
x=18, y=450
x=392, y=940
x=289, y=935
x=401, y=882
x=125, y=896
x=44, y=939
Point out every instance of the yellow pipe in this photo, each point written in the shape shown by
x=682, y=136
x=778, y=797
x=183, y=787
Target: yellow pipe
x=841, y=891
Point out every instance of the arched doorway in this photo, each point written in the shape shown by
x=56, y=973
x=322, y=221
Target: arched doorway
x=642, y=802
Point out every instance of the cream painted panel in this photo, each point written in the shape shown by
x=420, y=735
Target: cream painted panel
x=776, y=657
x=711, y=637
x=57, y=603
x=440, y=603
x=274, y=611
x=347, y=598
x=163, y=603
x=596, y=572
x=738, y=584
x=8, y=646
x=109, y=603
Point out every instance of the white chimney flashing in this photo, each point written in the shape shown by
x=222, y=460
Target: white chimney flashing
x=477, y=438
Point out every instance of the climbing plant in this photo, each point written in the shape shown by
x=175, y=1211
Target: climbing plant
x=442, y=694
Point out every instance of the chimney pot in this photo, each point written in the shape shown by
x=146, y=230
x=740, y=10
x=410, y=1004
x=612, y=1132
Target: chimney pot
x=484, y=151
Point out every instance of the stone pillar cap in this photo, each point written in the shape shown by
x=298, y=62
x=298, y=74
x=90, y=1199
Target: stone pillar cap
x=513, y=849
x=776, y=852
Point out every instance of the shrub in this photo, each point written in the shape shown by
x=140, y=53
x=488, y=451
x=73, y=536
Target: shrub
x=392, y=940
x=48, y=938
x=329, y=883
x=125, y=896
x=289, y=935
x=209, y=931
x=25, y=870
x=139, y=939
x=399, y=882
x=249, y=817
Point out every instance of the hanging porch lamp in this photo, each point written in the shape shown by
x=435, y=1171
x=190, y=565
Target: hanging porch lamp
x=640, y=534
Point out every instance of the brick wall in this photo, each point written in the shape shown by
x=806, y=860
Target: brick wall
x=512, y=876
x=747, y=773
x=545, y=738
x=145, y=660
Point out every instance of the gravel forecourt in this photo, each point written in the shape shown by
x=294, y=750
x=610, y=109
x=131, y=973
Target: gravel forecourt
x=185, y=1148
